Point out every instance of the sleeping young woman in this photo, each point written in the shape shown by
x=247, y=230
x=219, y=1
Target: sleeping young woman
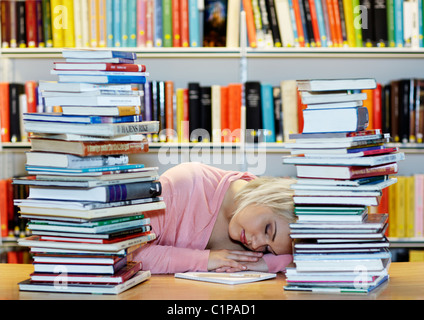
x=217, y=220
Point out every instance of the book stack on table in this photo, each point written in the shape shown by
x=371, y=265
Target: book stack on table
x=88, y=206
x=341, y=170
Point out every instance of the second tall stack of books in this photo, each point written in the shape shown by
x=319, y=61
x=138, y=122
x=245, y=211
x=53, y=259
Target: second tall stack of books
x=342, y=169
x=86, y=201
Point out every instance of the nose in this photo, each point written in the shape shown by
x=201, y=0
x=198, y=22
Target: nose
x=258, y=243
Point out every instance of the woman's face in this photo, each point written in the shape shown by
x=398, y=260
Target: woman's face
x=260, y=229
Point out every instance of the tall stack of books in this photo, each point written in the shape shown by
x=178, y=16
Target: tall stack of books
x=86, y=201
x=341, y=170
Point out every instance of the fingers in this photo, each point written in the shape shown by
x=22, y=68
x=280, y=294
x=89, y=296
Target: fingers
x=244, y=256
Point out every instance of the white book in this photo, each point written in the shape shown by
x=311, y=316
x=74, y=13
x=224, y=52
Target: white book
x=310, y=98
x=78, y=23
x=80, y=87
x=139, y=277
x=99, y=73
x=233, y=24
x=378, y=186
x=64, y=160
x=227, y=278
x=336, y=84
x=340, y=265
x=216, y=113
x=103, y=129
x=282, y=9
x=348, y=200
x=108, y=100
x=349, y=104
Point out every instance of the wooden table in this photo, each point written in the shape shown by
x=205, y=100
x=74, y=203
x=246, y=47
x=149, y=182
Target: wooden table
x=406, y=282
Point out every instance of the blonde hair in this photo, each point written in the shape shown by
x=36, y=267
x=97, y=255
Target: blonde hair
x=272, y=192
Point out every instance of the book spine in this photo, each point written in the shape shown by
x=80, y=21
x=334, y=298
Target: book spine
x=176, y=26
x=5, y=112
x=132, y=23
x=260, y=36
x=167, y=23
x=314, y=20
x=21, y=25
x=224, y=113
x=69, y=28
x=150, y=23
x=272, y=16
x=93, y=23
x=350, y=29
x=5, y=24
x=169, y=110
x=31, y=24
x=124, y=23
x=250, y=23
x=321, y=23
x=109, y=23
x=158, y=24
x=141, y=23
x=101, y=21
x=390, y=23
x=253, y=109
x=184, y=25
x=299, y=25
x=357, y=26
x=13, y=24
x=268, y=119
x=85, y=23
x=398, y=22
x=380, y=22
x=31, y=96
x=234, y=112
x=117, y=23
x=132, y=191
x=194, y=109
x=4, y=208
x=78, y=23
x=57, y=23
x=216, y=112
x=266, y=27
x=15, y=90
x=419, y=205
x=111, y=148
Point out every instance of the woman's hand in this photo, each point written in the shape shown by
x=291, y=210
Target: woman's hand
x=233, y=260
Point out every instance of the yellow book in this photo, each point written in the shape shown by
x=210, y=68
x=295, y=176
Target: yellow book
x=59, y=18
x=410, y=207
x=392, y=210
x=180, y=113
x=401, y=207
x=69, y=29
x=350, y=31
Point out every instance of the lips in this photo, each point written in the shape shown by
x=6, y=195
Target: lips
x=243, y=237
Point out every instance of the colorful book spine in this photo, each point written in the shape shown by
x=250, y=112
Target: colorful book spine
x=132, y=23
x=57, y=22
x=141, y=23
x=117, y=23
x=184, y=23
x=398, y=17
x=93, y=25
x=158, y=33
x=268, y=119
x=357, y=23
x=109, y=23
x=321, y=23
x=176, y=25
x=167, y=23
x=69, y=28
x=102, y=23
x=124, y=23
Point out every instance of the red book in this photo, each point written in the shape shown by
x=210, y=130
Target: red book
x=31, y=96
x=176, y=27
x=337, y=22
x=5, y=23
x=169, y=110
x=332, y=23
x=314, y=20
x=300, y=108
x=31, y=23
x=141, y=23
x=4, y=208
x=224, y=115
x=89, y=66
x=185, y=41
x=150, y=13
x=299, y=25
x=250, y=23
x=234, y=111
x=377, y=106
x=5, y=112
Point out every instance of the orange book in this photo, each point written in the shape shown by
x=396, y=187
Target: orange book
x=169, y=110
x=234, y=110
x=176, y=26
x=224, y=115
x=31, y=95
x=300, y=108
x=185, y=41
x=368, y=103
x=5, y=112
x=377, y=107
x=331, y=22
x=250, y=23
x=314, y=20
x=299, y=25
x=337, y=21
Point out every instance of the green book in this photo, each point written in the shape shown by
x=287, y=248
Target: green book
x=167, y=23
x=390, y=23
x=47, y=23
x=356, y=23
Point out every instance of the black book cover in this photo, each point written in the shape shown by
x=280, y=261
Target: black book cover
x=306, y=35
x=193, y=109
x=21, y=24
x=278, y=114
x=215, y=23
x=385, y=110
x=272, y=17
x=252, y=91
x=15, y=90
x=308, y=20
x=368, y=25
x=394, y=110
x=155, y=105
x=404, y=111
x=419, y=119
x=206, y=112
x=380, y=22
x=342, y=22
x=161, y=110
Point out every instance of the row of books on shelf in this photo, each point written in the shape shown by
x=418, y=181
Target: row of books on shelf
x=211, y=23
x=272, y=111
x=15, y=255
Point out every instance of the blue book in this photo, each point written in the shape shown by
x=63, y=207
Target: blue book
x=58, y=117
x=84, y=170
x=420, y=24
x=132, y=23
x=321, y=23
x=158, y=24
x=268, y=118
x=398, y=9
x=102, y=79
x=109, y=23
x=294, y=26
x=148, y=101
x=124, y=23
x=116, y=23
x=194, y=23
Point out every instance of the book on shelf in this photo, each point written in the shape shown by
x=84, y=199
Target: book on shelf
x=315, y=85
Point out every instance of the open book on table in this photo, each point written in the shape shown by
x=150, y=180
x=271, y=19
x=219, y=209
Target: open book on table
x=227, y=278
